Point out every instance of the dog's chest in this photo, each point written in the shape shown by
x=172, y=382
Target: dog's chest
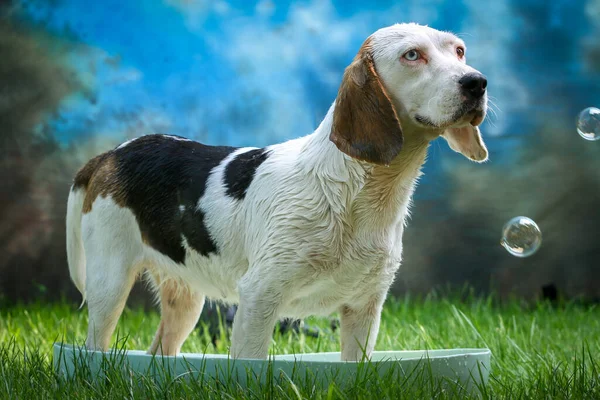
x=356, y=261
x=361, y=267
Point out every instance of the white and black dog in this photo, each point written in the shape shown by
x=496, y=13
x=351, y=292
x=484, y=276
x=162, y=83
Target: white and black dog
x=311, y=226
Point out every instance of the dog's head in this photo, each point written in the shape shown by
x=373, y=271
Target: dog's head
x=409, y=76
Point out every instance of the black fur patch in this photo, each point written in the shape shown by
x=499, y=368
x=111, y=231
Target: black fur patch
x=240, y=172
x=159, y=177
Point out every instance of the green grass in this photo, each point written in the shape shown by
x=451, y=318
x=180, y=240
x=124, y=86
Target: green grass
x=539, y=351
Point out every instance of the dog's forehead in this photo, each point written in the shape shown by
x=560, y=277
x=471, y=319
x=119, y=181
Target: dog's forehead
x=392, y=37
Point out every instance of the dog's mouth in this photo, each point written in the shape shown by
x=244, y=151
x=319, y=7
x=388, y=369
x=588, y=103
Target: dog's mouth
x=473, y=114
x=425, y=121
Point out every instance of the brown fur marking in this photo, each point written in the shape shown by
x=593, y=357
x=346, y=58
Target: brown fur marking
x=365, y=123
x=84, y=175
x=99, y=178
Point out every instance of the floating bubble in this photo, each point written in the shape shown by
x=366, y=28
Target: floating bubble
x=521, y=237
x=588, y=124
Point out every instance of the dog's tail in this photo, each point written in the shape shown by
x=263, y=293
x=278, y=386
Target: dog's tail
x=75, y=205
x=75, y=250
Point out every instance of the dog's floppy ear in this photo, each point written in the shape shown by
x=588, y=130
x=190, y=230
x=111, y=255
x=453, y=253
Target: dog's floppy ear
x=365, y=123
x=467, y=141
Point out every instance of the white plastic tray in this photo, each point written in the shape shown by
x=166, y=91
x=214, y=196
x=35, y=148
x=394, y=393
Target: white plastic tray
x=470, y=367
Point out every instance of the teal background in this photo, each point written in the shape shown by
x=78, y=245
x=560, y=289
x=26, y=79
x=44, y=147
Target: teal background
x=78, y=77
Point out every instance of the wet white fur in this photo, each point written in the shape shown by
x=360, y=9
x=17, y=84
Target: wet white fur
x=317, y=232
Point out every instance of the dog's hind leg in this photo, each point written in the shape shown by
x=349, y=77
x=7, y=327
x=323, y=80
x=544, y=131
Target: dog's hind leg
x=108, y=284
x=113, y=253
x=180, y=310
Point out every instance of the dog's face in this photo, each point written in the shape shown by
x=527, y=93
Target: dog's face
x=425, y=72
x=422, y=73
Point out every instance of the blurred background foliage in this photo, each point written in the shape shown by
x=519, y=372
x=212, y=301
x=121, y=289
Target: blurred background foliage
x=79, y=77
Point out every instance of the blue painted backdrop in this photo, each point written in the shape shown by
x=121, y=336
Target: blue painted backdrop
x=253, y=73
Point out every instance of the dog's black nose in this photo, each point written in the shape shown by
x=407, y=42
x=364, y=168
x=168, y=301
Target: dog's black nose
x=473, y=84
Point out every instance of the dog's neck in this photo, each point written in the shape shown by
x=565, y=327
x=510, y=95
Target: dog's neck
x=373, y=191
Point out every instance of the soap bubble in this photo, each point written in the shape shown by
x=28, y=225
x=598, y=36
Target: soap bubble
x=588, y=124
x=521, y=237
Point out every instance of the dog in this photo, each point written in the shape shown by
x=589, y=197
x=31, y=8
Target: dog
x=310, y=226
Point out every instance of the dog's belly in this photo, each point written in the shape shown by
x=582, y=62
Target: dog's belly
x=215, y=276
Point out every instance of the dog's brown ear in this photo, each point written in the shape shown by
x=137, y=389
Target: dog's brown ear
x=365, y=123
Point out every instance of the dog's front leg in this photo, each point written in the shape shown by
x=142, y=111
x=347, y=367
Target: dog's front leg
x=255, y=318
x=359, y=326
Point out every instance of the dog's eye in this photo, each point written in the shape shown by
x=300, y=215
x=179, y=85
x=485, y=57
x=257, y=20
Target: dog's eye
x=412, y=55
x=460, y=52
